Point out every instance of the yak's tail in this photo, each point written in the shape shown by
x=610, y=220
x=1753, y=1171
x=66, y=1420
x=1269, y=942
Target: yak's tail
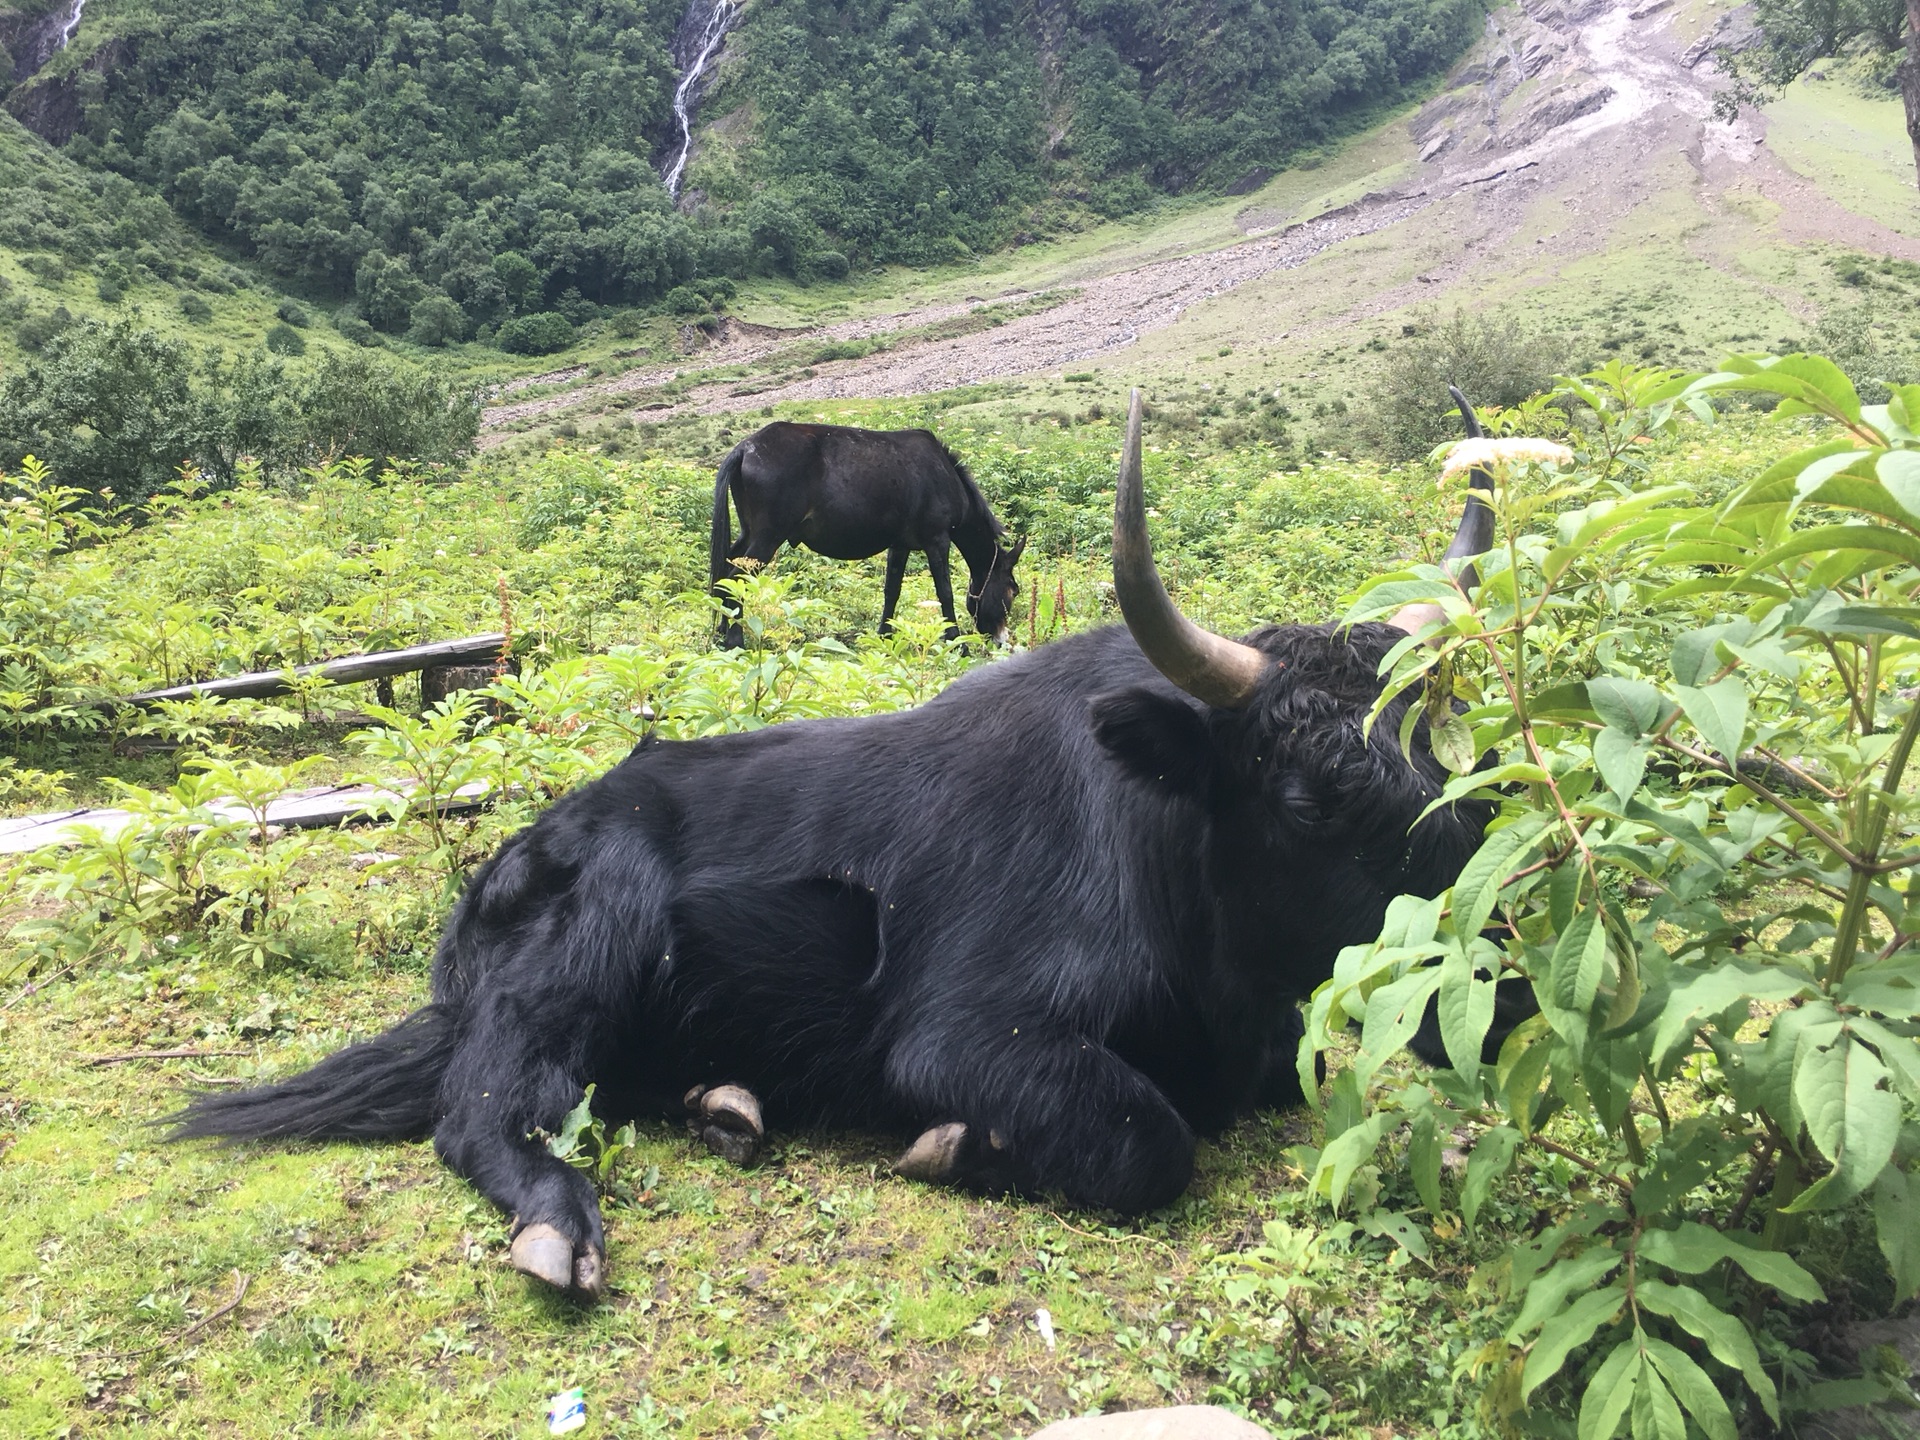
x=384, y=1088
x=720, y=538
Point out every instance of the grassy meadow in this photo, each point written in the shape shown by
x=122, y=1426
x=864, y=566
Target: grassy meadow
x=362, y=1289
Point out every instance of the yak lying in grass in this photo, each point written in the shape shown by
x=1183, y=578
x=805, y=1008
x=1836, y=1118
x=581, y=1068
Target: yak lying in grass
x=847, y=494
x=1054, y=923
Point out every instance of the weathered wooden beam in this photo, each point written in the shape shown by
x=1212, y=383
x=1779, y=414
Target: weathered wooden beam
x=259, y=684
x=322, y=806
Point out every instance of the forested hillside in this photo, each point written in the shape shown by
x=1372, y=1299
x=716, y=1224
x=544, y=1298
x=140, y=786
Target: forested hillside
x=448, y=170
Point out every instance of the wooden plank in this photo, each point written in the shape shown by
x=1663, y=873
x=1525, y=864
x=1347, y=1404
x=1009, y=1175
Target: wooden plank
x=321, y=806
x=259, y=684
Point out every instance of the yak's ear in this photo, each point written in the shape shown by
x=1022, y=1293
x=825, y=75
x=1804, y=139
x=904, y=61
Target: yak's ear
x=1158, y=737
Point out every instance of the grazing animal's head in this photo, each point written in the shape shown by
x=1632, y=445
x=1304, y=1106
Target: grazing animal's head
x=1313, y=814
x=990, y=599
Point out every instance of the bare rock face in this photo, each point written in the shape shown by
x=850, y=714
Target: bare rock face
x=1530, y=76
x=1562, y=105
x=1181, y=1422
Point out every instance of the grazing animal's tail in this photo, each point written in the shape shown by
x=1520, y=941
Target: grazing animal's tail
x=384, y=1088
x=720, y=540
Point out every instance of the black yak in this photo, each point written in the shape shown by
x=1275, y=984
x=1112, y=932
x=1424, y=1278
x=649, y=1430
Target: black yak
x=847, y=494
x=1054, y=923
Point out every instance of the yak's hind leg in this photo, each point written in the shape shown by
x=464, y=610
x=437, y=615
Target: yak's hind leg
x=1032, y=1109
x=573, y=934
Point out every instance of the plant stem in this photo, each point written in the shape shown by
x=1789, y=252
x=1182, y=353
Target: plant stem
x=1872, y=809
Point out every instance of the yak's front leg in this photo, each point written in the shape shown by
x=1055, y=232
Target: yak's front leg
x=502, y=1085
x=1032, y=1109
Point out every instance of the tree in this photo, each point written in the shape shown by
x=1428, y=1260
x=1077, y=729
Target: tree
x=1795, y=33
x=436, y=320
x=366, y=404
x=1910, y=79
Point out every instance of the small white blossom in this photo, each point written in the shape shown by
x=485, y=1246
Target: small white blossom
x=1508, y=450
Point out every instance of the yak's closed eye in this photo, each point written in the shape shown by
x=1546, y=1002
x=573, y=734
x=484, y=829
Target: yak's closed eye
x=1303, y=803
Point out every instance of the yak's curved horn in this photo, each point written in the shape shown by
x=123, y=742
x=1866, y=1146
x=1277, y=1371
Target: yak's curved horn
x=1475, y=535
x=1219, y=671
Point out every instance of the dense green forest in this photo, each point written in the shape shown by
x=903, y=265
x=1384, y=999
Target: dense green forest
x=488, y=167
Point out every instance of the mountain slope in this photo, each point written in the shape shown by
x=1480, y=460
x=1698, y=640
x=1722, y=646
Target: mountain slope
x=446, y=170
x=1571, y=174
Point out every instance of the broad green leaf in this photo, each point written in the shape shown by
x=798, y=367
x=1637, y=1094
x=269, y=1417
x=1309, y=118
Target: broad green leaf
x=1656, y=1414
x=1491, y=1158
x=1347, y=1152
x=1423, y=1158
x=1692, y=1249
x=1901, y=1053
x=1633, y=706
x=1610, y=1392
x=1804, y=382
x=1719, y=712
x=1899, y=471
x=1888, y=987
x=1696, y=1391
x=1522, y=1083
x=1678, y=1164
x=1393, y=1013
x=1453, y=746
x=1566, y=1332
x=1391, y=1225
x=1465, y=1010
x=1723, y=1334
x=1872, y=539
x=1775, y=484
x=1549, y=1290
x=1896, y=1201
x=1611, y=1070
x=1710, y=992
x=1461, y=786
x=1580, y=962
x=1824, y=469
x=1621, y=761
x=1478, y=888
x=1841, y=1091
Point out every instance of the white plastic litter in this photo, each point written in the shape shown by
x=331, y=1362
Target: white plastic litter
x=567, y=1412
x=1045, y=1322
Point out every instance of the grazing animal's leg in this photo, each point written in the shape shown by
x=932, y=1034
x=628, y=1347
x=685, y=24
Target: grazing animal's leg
x=938, y=557
x=896, y=572
x=1029, y=1108
x=759, y=549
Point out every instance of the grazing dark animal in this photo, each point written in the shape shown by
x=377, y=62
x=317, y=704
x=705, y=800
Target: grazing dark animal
x=1055, y=923
x=847, y=494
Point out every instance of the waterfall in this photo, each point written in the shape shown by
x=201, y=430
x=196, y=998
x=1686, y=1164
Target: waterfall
x=73, y=24
x=703, y=29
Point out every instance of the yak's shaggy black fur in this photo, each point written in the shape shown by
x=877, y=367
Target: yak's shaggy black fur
x=1063, y=903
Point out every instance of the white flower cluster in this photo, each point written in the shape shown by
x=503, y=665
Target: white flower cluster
x=1508, y=450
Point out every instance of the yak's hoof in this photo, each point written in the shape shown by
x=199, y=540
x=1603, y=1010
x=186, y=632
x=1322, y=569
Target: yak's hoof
x=544, y=1253
x=935, y=1155
x=727, y=1121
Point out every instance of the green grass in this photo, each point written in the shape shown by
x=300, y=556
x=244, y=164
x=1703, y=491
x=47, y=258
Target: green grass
x=816, y=1295
x=813, y=1296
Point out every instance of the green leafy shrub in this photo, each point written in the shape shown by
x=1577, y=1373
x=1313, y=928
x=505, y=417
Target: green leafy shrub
x=1692, y=718
x=283, y=339
x=1494, y=357
x=538, y=334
